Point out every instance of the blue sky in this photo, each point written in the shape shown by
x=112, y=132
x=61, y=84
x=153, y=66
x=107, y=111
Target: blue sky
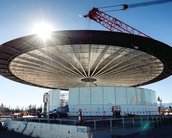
x=17, y=18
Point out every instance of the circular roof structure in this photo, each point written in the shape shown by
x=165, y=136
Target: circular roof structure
x=85, y=58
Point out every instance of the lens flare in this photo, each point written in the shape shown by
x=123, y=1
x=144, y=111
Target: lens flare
x=43, y=30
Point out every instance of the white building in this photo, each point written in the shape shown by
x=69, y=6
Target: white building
x=98, y=101
x=54, y=99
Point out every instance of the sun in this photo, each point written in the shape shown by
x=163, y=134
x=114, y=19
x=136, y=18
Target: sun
x=43, y=30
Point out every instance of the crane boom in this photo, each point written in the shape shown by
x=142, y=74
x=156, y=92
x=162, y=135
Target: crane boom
x=111, y=23
x=134, y=5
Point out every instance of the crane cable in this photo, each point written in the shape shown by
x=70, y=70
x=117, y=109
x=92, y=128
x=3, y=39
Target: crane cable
x=134, y=5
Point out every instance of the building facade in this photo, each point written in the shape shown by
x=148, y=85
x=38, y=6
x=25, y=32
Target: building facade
x=99, y=101
x=54, y=99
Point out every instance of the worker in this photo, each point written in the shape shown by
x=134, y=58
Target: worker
x=80, y=116
x=113, y=112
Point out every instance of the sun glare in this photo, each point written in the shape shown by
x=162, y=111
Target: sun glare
x=43, y=30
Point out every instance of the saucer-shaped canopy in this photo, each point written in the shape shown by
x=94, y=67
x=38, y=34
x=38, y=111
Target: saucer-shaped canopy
x=85, y=58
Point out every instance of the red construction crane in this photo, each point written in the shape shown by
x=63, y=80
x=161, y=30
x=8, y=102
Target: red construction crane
x=113, y=24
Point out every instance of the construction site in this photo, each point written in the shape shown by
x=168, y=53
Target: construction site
x=103, y=72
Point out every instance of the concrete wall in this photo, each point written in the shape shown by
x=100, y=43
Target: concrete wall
x=44, y=130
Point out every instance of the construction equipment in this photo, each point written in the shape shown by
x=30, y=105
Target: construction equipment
x=134, y=5
x=113, y=24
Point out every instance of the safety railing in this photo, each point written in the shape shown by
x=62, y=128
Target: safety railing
x=102, y=123
x=147, y=121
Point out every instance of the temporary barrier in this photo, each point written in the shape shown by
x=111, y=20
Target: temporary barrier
x=44, y=130
x=17, y=126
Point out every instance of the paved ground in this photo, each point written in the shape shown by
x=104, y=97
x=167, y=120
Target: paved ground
x=10, y=134
x=160, y=132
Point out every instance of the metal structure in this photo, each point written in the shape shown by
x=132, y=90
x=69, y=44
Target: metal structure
x=126, y=6
x=111, y=23
x=85, y=58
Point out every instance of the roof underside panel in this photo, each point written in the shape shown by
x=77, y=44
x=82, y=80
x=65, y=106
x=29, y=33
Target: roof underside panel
x=66, y=65
x=85, y=58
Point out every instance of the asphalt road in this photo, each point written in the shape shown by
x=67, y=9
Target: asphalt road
x=159, y=132
x=11, y=134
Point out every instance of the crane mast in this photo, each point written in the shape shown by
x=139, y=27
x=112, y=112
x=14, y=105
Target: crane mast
x=111, y=23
